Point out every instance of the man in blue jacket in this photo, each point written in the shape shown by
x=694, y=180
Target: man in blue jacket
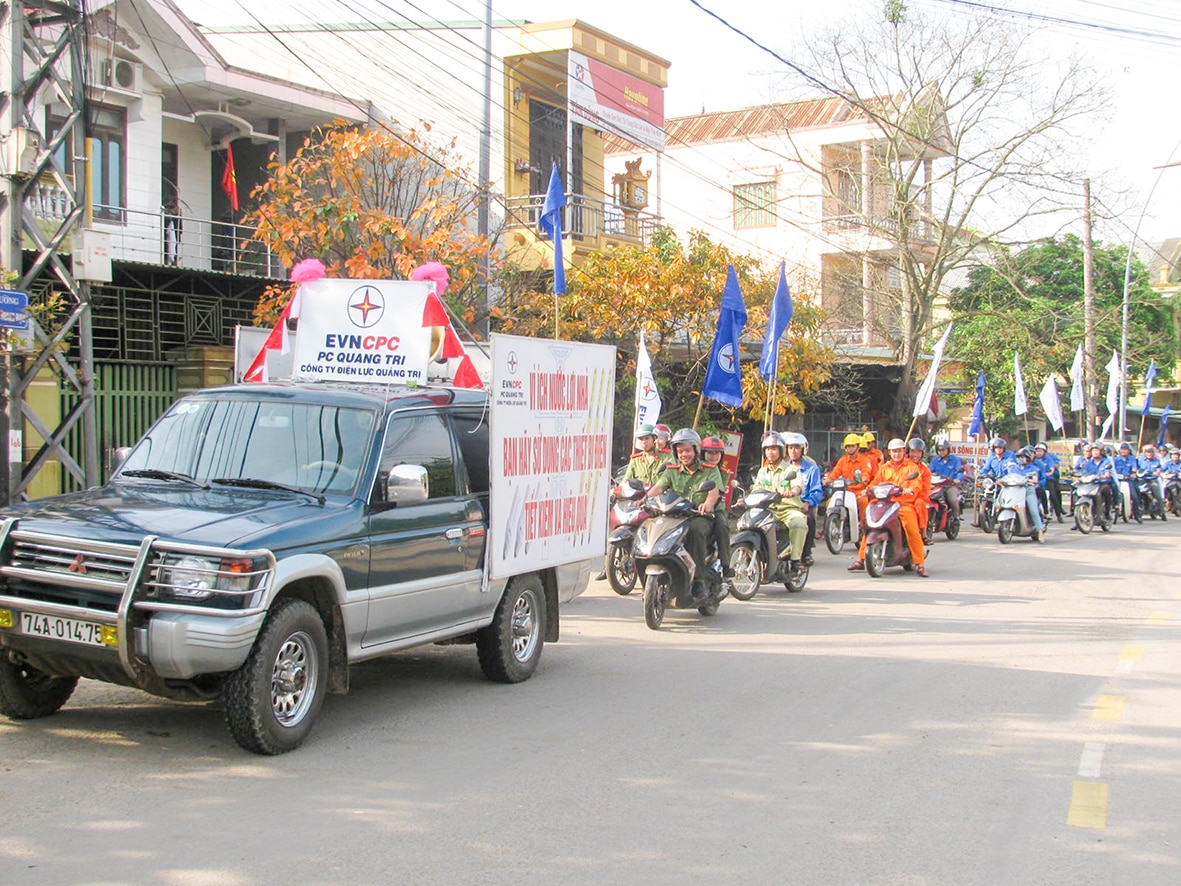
x=1051, y=471
x=1001, y=460
x=809, y=473
x=1126, y=467
x=1150, y=466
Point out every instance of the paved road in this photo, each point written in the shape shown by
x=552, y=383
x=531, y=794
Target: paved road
x=1012, y=720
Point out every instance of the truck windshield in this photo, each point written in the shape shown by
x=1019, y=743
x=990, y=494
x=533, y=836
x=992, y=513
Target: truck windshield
x=308, y=446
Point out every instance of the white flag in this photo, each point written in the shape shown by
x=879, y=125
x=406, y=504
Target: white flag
x=923, y=401
x=1019, y=405
x=1078, y=400
x=648, y=404
x=1051, y=404
x=1113, y=383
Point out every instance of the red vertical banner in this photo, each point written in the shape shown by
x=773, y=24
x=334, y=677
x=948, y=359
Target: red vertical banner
x=733, y=442
x=229, y=179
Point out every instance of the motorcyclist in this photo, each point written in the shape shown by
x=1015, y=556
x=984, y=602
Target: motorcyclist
x=1033, y=475
x=869, y=447
x=946, y=464
x=853, y=462
x=712, y=450
x=684, y=477
x=899, y=470
x=916, y=449
x=1052, y=478
x=1095, y=462
x=797, y=457
x=644, y=464
x=999, y=460
x=663, y=433
x=1126, y=467
x=779, y=476
x=1150, y=467
x=1172, y=467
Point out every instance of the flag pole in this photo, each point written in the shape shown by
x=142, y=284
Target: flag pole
x=1140, y=436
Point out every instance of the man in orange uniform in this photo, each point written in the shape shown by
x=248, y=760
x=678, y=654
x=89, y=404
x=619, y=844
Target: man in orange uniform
x=898, y=470
x=868, y=448
x=916, y=448
x=848, y=465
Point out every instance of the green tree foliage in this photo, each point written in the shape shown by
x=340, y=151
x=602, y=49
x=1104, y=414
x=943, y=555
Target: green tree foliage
x=672, y=291
x=1031, y=302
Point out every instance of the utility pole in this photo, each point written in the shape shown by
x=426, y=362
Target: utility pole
x=485, y=170
x=1089, y=385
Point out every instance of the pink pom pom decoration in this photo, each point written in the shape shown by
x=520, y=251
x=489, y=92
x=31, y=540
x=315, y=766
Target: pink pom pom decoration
x=307, y=270
x=435, y=272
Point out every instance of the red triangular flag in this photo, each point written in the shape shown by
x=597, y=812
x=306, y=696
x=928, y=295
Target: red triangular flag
x=433, y=312
x=466, y=375
x=452, y=346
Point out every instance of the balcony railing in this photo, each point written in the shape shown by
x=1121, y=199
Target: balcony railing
x=180, y=241
x=585, y=218
x=884, y=225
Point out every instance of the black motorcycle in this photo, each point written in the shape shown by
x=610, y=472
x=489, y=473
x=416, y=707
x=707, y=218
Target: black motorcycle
x=760, y=551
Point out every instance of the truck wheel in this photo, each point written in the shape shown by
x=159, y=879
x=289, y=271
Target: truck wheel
x=27, y=693
x=272, y=700
x=510, y=647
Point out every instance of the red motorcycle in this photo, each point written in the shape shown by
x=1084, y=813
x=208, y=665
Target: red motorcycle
x=885, y=542
x=939, y=515
x=626, y=515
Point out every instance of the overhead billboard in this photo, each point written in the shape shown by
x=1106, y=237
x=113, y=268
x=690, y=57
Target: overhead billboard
x=607, y=98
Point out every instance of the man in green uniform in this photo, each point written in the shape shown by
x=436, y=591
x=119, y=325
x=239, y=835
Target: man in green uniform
x=778, y=475
x=685, y=477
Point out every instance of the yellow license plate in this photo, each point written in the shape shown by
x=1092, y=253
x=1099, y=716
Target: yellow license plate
x=71, y=630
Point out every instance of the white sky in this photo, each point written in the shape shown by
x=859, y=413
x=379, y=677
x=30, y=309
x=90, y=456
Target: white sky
x=1136, y=44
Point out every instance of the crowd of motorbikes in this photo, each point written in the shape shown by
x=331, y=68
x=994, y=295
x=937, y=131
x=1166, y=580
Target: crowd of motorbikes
x=645, y=537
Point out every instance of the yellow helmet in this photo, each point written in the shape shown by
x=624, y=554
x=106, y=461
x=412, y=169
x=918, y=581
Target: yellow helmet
x=868, y=437
x=852, y=440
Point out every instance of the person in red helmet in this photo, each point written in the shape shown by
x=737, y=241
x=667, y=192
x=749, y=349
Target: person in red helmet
x=712, y=450
x=663, y=434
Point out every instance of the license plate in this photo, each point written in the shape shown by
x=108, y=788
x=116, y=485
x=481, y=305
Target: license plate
x=72, y=630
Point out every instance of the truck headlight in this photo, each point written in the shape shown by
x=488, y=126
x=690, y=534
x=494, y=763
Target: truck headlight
x=190, y=578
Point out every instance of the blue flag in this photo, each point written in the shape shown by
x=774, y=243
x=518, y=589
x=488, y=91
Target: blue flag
x=1149, y=378
x=781, y=311
x=551, y=224
x=978, y=408
x=1164, y=426
x=723, y=375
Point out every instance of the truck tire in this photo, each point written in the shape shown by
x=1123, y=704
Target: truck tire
x=272, y=701
x=510, y=647
x=28, y=694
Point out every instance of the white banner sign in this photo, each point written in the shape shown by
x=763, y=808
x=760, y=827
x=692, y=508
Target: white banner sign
x=552, y=409
x=364, y=330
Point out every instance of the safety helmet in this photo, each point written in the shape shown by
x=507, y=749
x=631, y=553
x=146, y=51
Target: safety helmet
x=896, y=443
x=867, y=439
x=997, y=442
x=713, y=444
x=941, y=445
x=1126, y=445
x=771, y=438
x=663, y=432
x=1109, y=450
x=852, y=440
x=1173, y=450
x=645, y=430
x=791, y=438
x=686, y=435
x=917, y=443
x=1148, y=447
x=1025, y=452
x=1040, y=445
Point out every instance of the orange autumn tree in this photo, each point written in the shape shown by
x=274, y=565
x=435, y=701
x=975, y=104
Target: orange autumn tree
x=370, y=204
x=672, y=291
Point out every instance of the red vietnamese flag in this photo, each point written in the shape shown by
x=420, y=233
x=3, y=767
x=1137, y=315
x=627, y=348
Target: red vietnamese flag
x=229, y=179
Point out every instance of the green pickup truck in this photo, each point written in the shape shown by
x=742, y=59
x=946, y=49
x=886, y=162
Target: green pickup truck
x=257, y=541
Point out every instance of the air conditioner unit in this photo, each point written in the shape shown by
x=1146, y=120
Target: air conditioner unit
x=121, y=74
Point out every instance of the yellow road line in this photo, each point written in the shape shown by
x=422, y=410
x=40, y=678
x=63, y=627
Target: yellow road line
x=1088, y=805
x=1108, y=707
x=1158, y=618
x=1132, y=653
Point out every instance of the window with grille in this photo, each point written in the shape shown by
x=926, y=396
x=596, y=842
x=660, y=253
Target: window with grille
x=754, y=205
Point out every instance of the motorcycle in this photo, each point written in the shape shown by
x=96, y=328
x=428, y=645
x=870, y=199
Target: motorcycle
x=1125, y=498
x=1152, y=501
x=668, y=569
x=885, y=542
x=1087, y=503
x=985, y=501
x=759, y=534
x=626, y=515
x=939, y=515
x=1013, y=517
x=840, y=516
x=1173, y=494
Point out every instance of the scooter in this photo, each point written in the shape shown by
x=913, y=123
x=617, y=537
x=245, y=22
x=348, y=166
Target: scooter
x=1173, y=493
x=759, y=534
x=626, y=514
x=1152, y=500
x=668, y=569
x=885, y=542
x=1013, y=518
x=1087, y=504
x=939, y=515
x=985, y=500
x=840, y=516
